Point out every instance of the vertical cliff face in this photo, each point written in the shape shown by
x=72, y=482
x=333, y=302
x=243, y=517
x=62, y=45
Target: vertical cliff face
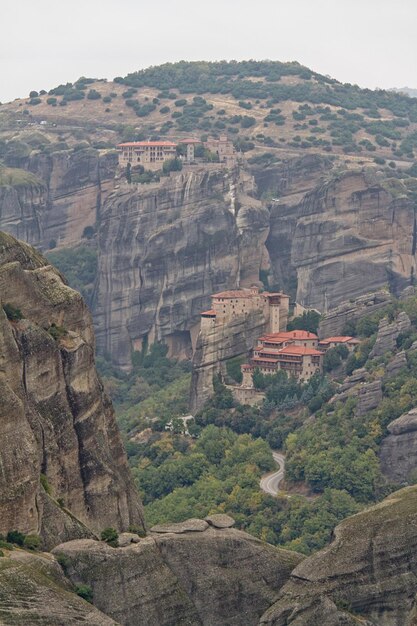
x=349, y=234
x=216, y=345
x=55, y=419
x=57, y=196
x=164, y=249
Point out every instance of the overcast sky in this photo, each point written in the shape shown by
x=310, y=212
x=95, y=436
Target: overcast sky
x=43, y=43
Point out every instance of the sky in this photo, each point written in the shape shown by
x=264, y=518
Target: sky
x=371, y=43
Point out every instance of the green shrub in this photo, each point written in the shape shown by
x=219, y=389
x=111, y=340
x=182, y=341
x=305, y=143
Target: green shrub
x=34, y=101
x=16, y=537
x=110, y=536
x=45, y=484
x=6, y=545
x=93, y=94
x=63, y=560
x=32, y=542
x=12, y=313
x=1, y=553
x=57, y=332
x=85, y=592
x=51, y=101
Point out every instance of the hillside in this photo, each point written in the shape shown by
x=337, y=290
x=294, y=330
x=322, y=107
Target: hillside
x=267, y=105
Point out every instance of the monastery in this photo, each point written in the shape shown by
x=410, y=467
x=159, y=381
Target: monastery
x=152, y=154
x=298, y=352
x=229, y=304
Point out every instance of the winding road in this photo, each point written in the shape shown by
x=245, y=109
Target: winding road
x=270, y=482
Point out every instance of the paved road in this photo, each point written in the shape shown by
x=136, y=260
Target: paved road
x=270, y=482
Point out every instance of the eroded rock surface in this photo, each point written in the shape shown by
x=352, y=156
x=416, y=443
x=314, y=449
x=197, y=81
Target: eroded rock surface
x=398, y=452
x=34, y=590
x=165, y=248
x=55, y=419
x=209, y=578
x=367, y=576
x=54, y=208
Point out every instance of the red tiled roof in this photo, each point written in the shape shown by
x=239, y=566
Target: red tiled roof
x=266, y=360
x=246, y=366
x=133, y=144
x=300, y=350
x=210, y=312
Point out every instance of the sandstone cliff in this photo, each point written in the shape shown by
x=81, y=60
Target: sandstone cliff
x=341, y=234
x=218, y=344
x=398, y=452
x=367, y=576
x=58, y=197
x=165, y=248
x=55, y=419
x=203, y=576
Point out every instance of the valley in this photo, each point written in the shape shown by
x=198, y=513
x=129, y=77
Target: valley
x=208, y=358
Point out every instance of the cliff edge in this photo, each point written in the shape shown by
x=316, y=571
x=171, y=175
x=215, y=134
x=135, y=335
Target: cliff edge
x=64, y=470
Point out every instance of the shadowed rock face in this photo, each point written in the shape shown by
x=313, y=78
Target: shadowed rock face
x=164, y=249
x=55, y=208
x=368, y=575
x=206, y=576
x=55, y=419
x=398, y=452
x=348, y=235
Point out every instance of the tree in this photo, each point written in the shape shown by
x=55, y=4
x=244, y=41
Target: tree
x=129, y=173
x=110, y=536
x=172, y=165
x=309, y=321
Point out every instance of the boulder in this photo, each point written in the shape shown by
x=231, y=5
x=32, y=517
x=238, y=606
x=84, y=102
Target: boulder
x=190, y=525
x=220, y=520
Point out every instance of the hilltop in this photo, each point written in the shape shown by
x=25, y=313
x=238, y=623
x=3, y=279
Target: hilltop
x=265, y=106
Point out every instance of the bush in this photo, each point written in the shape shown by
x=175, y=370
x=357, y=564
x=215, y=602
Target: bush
x=33, y=94
x=107, y=99
x=172, y=165
x=93, y=94
x=85, y=592
x=1, y=553
x=16, y=537
x=34, y=101
x=51, y=101
x=32, y=542
x=110, y=536
x=12, y=313
x=6, y=545
x=45, y=484
x=57, y=332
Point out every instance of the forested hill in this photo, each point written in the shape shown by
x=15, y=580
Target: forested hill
x=262, y=105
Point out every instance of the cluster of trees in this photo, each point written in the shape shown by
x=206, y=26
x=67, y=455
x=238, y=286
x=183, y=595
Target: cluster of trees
x=203, y=77
x=220, y=472
x=156, y=389
x=79, y=266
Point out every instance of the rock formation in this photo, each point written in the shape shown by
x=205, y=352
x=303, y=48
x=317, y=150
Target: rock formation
x=398, y=451
x=333, y=323
x=62, y=460
x=388, y=333
x=366, y=577
x=190, y=574
x=34, y=590
x=341, y=235
x=54, y=197
x=165, y=248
